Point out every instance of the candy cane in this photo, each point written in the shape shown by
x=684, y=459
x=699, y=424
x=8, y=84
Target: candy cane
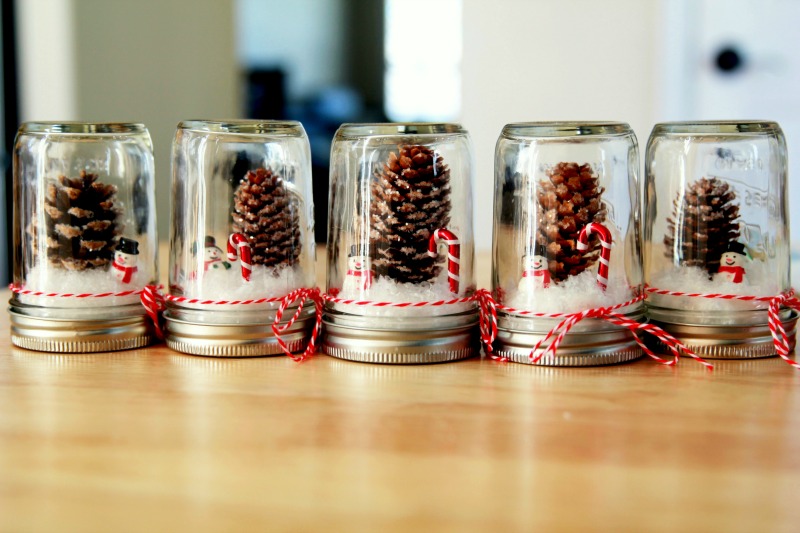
x=453, y=254
x=237, y=241
x=605, y=253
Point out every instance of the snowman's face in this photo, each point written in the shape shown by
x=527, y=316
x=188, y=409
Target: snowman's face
x=732, y=259
x=124, y=259
x=358, y=263
x=535, y=262
x=212, y=253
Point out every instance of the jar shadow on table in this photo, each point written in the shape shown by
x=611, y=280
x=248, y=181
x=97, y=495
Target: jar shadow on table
x=224, y=365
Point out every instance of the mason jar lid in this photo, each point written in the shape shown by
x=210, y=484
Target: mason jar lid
x=79, y=336
x=564, y=129
x=82, y=128
x=288, y=128
x=717, y=127
x=356, y=131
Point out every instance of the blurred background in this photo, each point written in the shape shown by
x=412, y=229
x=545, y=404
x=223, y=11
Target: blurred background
x=325, y=62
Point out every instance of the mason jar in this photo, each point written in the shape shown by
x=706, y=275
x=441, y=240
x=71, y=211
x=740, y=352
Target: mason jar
x=566, y=239
x=716, y=224
x=84, y=235
x=241, y=236
x=400, y=238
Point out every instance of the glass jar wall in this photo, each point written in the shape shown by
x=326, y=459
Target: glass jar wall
x=84, y=236
x=566, y=237
x=242, y=230
x=716, y=222
x=400, y=230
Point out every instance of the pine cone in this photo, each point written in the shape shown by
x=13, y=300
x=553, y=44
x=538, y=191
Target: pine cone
x=81, y=222
x=704, y=221
x=568, y=200
x=411, y=199
x=268, y=215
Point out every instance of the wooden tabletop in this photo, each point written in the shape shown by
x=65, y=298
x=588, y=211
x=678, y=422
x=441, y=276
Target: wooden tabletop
x=152, y=440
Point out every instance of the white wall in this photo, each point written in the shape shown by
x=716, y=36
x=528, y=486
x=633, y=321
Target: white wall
x=532, y=60
x=46, y=59
x=304, y=37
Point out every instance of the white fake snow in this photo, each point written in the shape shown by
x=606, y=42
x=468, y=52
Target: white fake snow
x=228, y=284
x=95, y=281
x=576, y=293
x=757, y=282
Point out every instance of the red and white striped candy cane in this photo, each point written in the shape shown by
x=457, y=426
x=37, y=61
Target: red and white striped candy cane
x=238, y=243
x=453, y=254
x=605, y=253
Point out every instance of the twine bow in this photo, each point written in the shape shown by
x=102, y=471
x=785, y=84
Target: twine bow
x=154, y=305
x=301, y=296
x=779, y=337
x=489, y=307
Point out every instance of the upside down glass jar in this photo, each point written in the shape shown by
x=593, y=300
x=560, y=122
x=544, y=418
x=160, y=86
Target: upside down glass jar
x=558, y=185
x=716, y=223
x=400, y=238
x=241, y=237
x=84, y=236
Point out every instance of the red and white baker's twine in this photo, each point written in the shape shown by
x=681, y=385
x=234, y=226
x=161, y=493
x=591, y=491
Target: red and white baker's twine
x=608, y=314
x=779, y=337
x=301, y=296
x=486, y=304
x=239, y=246
x=444, y=235
x=16, y=289
x=154, y=303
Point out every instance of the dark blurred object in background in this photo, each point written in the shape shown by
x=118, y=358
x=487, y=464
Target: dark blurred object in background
x=9, y=117
x=266, y=94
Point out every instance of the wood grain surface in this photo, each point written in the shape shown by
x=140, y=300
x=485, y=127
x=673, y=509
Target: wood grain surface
x=152, y=440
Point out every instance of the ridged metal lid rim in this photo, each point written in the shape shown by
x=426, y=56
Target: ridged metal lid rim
x=399, y=358
x=575, y=360
x=62, y=346
x=234, y=350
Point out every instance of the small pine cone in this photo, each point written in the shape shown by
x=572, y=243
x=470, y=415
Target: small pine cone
x=81, y=222
x=568, y=200
x=705, y=220
x=267, y=213
x=411, y=199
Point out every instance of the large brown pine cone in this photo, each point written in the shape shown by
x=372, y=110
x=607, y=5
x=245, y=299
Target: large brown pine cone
x=269, y=216
x=568, y=200
x=81, y=222
x=705, y=220
x=410, y=200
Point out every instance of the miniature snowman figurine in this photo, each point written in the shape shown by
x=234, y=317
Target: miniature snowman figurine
x=535, y=270
x=359, y=272
x=212, y=256
x=125, y=259
x=731, y=264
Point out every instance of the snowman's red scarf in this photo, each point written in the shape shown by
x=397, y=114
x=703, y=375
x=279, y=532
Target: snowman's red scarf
x=737, y=271
x=129, y=271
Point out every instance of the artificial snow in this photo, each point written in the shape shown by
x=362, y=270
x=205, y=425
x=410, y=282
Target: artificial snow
x=384, y=289
x=758, y=281
x=95, y=281
x=228, y=284
x=576, y=293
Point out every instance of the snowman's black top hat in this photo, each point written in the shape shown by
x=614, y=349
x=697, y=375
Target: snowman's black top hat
x=538, y=249
x=128, y=246
x=356, y=250
x=736, y=247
